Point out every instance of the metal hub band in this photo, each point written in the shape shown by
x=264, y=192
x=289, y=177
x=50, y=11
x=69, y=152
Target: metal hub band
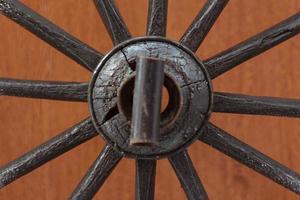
x=186, y=80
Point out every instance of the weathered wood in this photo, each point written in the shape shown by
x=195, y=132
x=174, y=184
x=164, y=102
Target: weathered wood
x=97, y=174
x=113, y=20
x=145, y=179
x=66, y=12
x=52, y=90
x=49, y=150
x=255, y=105
x=157, y=17
x=186, y=80
x=250, y=157
x=188, y=177
x=253, y=46
x=197, y=31
x=50, y=33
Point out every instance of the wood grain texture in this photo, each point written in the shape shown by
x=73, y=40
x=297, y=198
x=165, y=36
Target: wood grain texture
x=47, y=151
x=26, y=123
x=113, y=20
x=157, y=18
x=256, y=105
x=50, y=33
x=247, y=49
x=97, y=174
x=188, y=177
x=54, y=90
x=247, y=155
x=145, y=179
x=202, y=23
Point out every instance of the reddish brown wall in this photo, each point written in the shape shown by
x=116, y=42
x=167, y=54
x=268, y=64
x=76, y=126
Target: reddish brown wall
x=26, y=123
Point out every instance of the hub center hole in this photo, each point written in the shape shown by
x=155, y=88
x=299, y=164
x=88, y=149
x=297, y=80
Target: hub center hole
x=170, y=104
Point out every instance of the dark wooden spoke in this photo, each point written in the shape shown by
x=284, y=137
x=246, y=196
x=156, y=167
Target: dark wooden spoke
x=145, y=179
x=49, y=32
x=244, y=104
x=250, y=157
x=113, y=20
x=49, y=150
x=66, y=91
x=253, y=46
x=187, y=176
x=202, y=24
x=157, y=17
x=97, y=174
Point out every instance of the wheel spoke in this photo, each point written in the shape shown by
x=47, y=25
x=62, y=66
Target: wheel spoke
x=244, y=104
x=113, y=20
x=202, y=24
x=66, y=91
x=145, y=179
x=157, y=17
x=253, y=46
x=50, y=33
x=97, y=174
x=250, y=157
x=188, y=177
x=47, y=151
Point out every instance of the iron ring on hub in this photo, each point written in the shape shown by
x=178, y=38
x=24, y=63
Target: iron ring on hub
x=188, y=83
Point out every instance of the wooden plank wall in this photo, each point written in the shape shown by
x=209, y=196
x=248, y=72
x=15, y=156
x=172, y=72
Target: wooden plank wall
x=25, y=123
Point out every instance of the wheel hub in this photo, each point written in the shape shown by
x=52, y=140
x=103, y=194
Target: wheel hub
x=188, y=85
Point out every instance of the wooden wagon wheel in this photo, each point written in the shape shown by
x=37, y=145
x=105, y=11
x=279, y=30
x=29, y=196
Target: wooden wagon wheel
x=119, y=113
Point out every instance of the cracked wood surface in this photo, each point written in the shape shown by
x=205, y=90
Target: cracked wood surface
x=26, y=123
x=195, y=96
